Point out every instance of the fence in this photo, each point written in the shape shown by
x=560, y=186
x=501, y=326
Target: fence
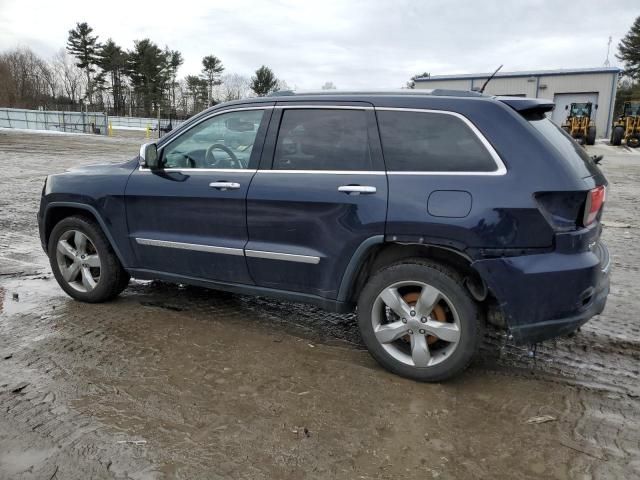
x=141, y=123
x=59, y=121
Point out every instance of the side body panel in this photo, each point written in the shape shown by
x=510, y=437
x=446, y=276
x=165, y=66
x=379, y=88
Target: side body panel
x=181, y=223
x=303, y=213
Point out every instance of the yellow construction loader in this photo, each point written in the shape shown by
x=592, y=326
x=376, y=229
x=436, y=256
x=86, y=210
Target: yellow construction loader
x=579, y=124
x=627, y=126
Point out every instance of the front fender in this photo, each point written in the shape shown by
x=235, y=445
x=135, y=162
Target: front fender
x=97, y=190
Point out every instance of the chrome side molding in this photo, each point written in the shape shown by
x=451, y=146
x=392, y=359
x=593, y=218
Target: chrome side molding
x=190, y=246
x=288, y=257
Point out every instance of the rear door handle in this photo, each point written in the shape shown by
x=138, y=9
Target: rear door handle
x=225, y=185
x=357, y=189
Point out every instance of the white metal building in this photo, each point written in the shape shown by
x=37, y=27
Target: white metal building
x=596, y=85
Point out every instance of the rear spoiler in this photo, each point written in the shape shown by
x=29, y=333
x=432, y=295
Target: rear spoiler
x=524, y=105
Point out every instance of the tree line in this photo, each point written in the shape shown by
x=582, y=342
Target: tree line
x=141, y=81
x=629, y=54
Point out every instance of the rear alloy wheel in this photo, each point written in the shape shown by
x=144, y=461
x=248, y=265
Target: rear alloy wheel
x=83, y=262
x=418, y=321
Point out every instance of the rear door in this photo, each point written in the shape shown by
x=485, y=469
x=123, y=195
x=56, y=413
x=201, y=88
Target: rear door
x=320, y=192
x=189, y=217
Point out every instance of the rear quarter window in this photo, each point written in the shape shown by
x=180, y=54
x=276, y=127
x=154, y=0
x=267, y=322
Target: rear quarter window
x=571, y=152
x=431, y=142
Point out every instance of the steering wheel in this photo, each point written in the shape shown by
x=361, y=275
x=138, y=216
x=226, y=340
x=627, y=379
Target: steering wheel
x=210, y=158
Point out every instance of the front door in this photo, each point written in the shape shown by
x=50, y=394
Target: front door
x=189, y=217
x=320, y=192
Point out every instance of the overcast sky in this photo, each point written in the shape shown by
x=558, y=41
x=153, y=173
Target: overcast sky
x=354, y=44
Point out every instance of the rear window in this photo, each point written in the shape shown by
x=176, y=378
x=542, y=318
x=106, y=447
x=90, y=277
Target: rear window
x=431, y=142
x=575, y=156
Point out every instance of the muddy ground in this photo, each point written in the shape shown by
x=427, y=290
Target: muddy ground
x=177, y=382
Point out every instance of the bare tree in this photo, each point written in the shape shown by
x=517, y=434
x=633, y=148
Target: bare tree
x=69, y=76
x=328, y=86
x=282, y=85
x=233, y=87
x=24, y=82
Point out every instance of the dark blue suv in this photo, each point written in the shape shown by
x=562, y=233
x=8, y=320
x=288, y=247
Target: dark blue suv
x=429, y=213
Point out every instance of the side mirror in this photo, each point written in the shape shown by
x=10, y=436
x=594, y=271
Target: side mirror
x=596, y=106
x=566, y=107
x=149, y=156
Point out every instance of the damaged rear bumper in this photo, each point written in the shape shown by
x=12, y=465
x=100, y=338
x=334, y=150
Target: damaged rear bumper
x=548, y=295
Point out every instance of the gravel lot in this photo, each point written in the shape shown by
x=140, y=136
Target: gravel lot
x=181, y=382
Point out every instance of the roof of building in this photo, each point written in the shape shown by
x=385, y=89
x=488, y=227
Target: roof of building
x=526, y=73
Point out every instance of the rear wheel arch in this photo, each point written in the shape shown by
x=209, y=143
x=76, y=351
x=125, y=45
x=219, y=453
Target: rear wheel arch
x=381, y=255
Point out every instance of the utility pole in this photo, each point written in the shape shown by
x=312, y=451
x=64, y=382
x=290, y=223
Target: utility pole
x=606, y=62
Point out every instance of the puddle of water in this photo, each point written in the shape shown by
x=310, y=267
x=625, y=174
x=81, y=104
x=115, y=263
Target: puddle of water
x=26, y=294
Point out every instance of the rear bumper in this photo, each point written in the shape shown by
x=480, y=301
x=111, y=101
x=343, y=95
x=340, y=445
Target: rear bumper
x=548, y=295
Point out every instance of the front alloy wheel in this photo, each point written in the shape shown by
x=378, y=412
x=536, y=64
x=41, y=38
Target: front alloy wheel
x=83, y=261
x=78, y=261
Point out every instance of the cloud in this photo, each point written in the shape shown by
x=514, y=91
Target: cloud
x=355, y=44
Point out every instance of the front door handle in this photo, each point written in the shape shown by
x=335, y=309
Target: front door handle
x=225, y=185
x=357, y=189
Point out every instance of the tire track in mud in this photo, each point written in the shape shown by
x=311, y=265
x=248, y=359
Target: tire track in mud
x=49, y=352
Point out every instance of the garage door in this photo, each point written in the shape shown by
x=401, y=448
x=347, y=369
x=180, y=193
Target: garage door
x=561, y=100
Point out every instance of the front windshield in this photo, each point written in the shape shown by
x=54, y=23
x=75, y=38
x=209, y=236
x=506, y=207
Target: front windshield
x=631, y=109
x=580, y=109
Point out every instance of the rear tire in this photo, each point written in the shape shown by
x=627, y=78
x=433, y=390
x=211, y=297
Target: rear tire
x=633, y=141
x=591, y=135
x=617, y=135
x=83, y=262
x=439, y=340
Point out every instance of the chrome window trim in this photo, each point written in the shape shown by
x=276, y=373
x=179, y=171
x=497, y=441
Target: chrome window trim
x=328, y=172
x=501, y=168
x=289, y=257
x=190, y=246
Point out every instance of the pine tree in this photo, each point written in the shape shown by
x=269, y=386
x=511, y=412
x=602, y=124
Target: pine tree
x=174, y=60
x=112, y=60
x=629, y=51
x=211, y=70
x=197, y=89
x=264, y=81
x=147, y=67
x=412, y=82
x=82, y=45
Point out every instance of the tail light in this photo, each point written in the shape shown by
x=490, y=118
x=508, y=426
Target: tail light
x=595, y=200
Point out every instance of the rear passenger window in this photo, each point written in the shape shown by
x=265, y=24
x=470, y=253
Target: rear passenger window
x=431, y=142
x=318, y=139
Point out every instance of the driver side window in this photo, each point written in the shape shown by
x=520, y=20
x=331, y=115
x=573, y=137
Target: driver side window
x=223, y=141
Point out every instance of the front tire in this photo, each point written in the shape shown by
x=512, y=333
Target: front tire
x=591, y=135
x=418, y=320
x=83, y=262
x=617, y=136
